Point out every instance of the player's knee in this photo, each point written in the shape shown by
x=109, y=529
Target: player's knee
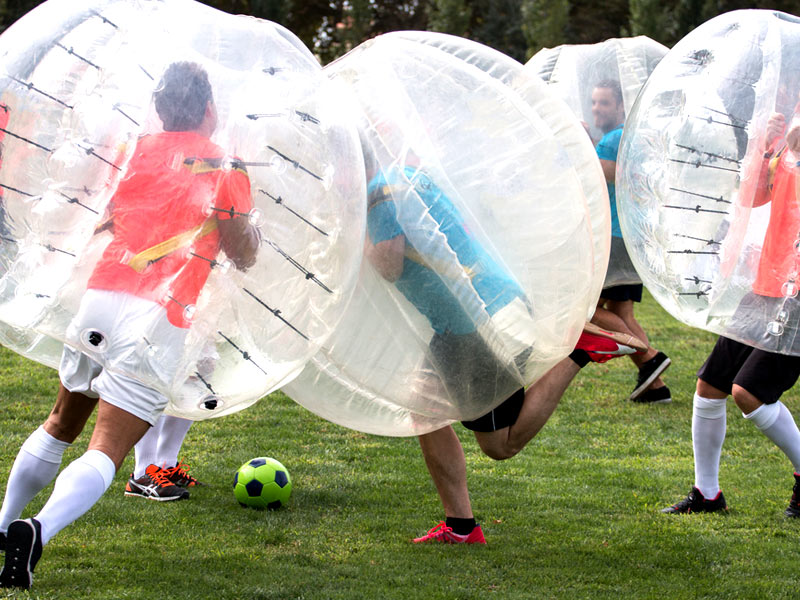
x=706, y=390
x=746, y=401
x=499, y=451
x=65, y=431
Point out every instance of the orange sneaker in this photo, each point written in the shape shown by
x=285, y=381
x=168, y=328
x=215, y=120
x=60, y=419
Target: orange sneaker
x=443, y=533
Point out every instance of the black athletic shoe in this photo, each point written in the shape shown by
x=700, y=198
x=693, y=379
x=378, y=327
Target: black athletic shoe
x=23, y=550
x=654, y=396
x=793, y=510
x=648, y=373
x=179, y=476
x=154, y=485
x=695, y=502
x=2, y=542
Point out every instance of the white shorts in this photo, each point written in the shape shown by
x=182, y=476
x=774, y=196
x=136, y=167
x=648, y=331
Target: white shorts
x=122, y=349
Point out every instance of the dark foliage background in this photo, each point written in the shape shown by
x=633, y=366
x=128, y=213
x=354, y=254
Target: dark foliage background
x=518, y=28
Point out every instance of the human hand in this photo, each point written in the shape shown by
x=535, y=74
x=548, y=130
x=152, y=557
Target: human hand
x=775, y=126
x=793, y=138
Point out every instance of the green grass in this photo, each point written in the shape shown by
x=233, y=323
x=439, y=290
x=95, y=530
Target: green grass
x=575, y=515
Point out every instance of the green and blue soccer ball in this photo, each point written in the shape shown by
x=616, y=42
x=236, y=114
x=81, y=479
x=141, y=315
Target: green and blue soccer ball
x=262, y=483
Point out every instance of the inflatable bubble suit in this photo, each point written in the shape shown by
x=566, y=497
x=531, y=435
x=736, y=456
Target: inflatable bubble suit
x=480, y=265
x=575, y=73
x=707, y=206
x=79, y=126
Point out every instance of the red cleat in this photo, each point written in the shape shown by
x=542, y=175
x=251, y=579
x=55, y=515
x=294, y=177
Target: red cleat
x=601, y=349
x=443, y=533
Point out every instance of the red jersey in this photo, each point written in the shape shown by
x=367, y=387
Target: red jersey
x=778, y=258
x=164, y=225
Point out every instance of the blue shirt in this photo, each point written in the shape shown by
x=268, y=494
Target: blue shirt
x=607, y=149
x=396, y=208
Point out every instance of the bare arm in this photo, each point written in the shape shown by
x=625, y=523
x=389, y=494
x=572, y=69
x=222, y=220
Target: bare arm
x=609, y=170
x=387, y=256
x=239, y=240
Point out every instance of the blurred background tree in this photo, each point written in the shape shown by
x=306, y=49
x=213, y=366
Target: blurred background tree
x=518, y=28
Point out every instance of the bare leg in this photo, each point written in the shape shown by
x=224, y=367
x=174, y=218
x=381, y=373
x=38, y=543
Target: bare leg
x=746, y=401
x=706, y=390
x=541, y=400
x=81, y=484
x=619, y=316
x=116, y=432
x=69, y=415
x=444, y=458
x=39, y=458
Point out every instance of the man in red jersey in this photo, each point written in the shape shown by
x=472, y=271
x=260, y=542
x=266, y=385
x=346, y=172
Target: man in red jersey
x=178, y=204
x=769, y=315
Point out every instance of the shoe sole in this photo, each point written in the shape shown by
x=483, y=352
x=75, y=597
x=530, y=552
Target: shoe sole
x=28, y=532
x=156, y=498
x=664, y=401
x=624, y=339
x=654, y=375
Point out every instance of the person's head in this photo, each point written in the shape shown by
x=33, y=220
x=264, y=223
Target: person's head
x=184, y=100
x=608, y=109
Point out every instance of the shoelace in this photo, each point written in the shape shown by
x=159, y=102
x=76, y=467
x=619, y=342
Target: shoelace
x=438, y=531
x=181, y=471
x=160, y=478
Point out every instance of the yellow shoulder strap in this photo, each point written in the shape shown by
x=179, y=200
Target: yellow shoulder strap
x=139, y=262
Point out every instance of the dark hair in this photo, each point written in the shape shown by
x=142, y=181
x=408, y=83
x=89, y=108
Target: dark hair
x=182, y=96
x=613, y=85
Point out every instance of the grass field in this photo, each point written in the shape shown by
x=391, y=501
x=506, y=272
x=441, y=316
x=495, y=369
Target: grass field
x=575, y=515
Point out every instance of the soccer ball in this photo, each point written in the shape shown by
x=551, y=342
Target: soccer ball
x=262, y=483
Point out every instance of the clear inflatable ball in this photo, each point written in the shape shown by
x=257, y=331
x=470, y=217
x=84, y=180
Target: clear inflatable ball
x=479, y=266
x=600, y=82
x=182, y=197
x=707, y=185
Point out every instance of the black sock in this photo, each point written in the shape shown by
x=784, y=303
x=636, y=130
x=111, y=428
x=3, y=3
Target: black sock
x=461, y=526
x=580, y=357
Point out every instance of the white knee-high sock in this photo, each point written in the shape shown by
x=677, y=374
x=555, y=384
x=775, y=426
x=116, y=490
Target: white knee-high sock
x=776, y=422
x=77, y=489
x=173, y=432
x=145, y=451
x=708, y=433
x=34, y=468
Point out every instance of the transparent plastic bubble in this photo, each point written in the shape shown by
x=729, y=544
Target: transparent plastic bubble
x=470, y=187
x=700, y=125
x=113, y=192
x=609, y=75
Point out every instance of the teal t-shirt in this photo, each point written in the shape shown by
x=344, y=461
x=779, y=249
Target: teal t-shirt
x=419, y=282
x=607, y=149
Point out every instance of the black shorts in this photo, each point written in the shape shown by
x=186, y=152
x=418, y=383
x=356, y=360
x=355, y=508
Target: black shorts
x=620, y=293
x=471, y=374
x=504, y=415
x=766, y=375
